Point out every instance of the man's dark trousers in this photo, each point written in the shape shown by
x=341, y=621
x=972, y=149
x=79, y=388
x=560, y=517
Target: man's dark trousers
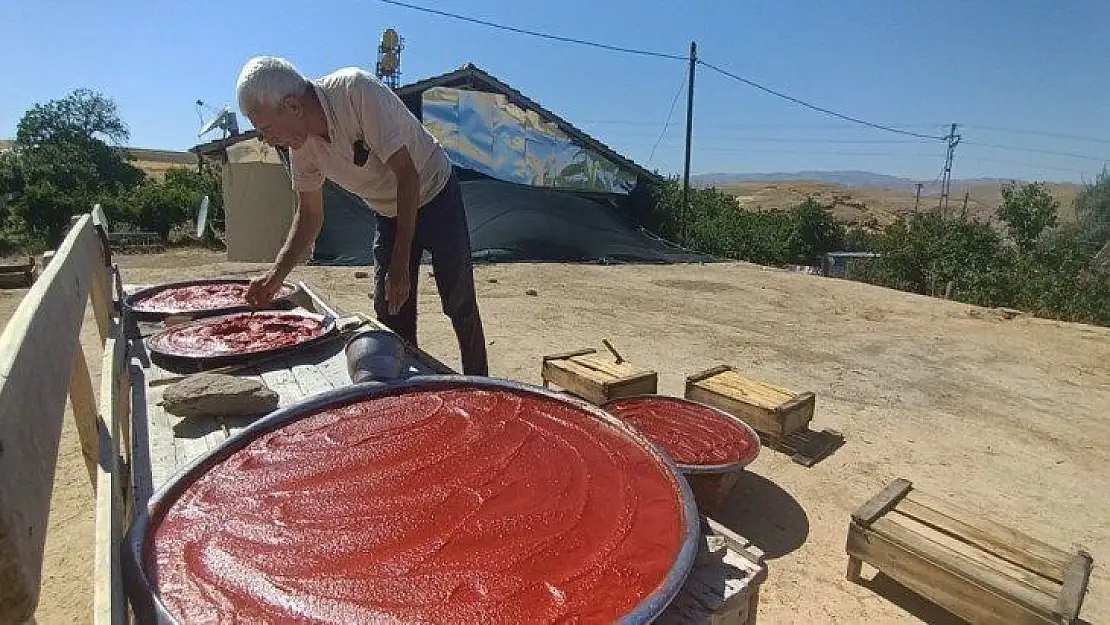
x=441, y=229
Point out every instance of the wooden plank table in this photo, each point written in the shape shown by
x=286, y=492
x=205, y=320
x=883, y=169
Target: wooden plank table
x=162, y=443
x=722, y=589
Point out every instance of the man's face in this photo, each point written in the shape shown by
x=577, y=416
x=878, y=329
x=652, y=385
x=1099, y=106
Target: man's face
x=284, y=125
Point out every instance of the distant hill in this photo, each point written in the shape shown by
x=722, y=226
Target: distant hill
x=845, y=178
x=866, y=198
x=153, y=162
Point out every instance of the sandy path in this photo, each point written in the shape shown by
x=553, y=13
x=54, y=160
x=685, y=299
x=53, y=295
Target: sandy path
x=1005, y=417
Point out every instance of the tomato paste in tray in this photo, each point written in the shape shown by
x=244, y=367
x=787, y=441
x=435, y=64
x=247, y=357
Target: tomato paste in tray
x=692, y=434
x=205, y=296
x=444, y=503
x=239, y=334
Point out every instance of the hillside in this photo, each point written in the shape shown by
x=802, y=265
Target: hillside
x=882, y=205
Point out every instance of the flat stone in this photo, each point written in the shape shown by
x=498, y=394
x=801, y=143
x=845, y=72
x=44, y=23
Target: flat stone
x=218, y=395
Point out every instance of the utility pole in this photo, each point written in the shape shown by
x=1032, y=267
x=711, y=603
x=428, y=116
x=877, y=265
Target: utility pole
x=953, y=140
x=689, y=134
x=917, y=201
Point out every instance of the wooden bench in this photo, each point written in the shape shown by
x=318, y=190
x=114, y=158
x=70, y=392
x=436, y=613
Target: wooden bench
x=975, y=568
x=596, y=379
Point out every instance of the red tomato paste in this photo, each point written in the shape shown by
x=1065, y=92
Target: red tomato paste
x=242, y=333
x=691, y=434
x=198, y=297
x=453, y=506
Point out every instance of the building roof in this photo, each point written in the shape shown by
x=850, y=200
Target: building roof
x=474, y=77
x=217, y=147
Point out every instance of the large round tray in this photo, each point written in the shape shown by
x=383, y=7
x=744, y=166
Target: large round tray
x=175, y=361
x=131, y=299
x=149, y=607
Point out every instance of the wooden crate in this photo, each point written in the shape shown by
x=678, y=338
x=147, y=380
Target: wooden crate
x=975, y=568
x=774, y=412
x=723, y=587
x=597, y=379
x=17, y=274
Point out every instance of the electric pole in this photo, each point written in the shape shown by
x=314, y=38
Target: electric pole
x=689, y=133
x=953, y=140
x=917, y=201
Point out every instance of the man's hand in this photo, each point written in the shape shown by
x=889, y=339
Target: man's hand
x=263, y=289
x=397, y=285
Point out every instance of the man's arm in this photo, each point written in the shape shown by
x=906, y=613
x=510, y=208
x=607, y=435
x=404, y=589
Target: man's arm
x=408, y=205
x=306, y=225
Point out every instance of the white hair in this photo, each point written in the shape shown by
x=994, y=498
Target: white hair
x=265, y=80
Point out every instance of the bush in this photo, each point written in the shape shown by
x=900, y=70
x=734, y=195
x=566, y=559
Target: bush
x=1048, y=272
x=160, y=205
x=714, y=224
x=1038, y=267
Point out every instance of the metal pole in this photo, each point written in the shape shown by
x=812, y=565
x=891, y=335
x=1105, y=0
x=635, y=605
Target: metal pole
x=689, y=133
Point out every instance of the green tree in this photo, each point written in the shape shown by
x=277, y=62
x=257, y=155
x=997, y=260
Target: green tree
x=1027, y=210
x=61, y=164
x=1092, y=211
x=159, y=205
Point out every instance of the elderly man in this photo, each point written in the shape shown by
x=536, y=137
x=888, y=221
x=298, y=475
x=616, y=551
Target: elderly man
x=350, y=128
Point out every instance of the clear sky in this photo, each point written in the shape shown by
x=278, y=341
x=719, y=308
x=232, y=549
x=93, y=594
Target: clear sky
x=995, y=66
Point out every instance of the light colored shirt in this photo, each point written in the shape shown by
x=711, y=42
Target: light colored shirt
x=359, y=107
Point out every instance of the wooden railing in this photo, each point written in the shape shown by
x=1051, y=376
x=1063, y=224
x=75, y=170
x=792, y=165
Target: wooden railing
x=41, y=363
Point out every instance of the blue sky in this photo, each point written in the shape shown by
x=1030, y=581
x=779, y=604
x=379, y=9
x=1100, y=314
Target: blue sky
x=995, y=66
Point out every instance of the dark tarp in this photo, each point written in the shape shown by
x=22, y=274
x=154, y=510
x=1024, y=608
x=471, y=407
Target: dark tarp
x=509, y=222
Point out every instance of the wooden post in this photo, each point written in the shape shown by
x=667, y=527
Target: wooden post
x=83, y=403
x=109, y=604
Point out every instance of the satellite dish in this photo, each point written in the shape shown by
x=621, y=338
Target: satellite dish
x=224, y=120
x=99, y=218
x=202, y=217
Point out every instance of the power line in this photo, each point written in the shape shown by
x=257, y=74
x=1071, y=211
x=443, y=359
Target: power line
x=1031, y=165
x=1018, y=148
x=664, y=55
x=1039, y=133
x=788, y=126
x=751, y=139
x=819, y=109
x=533, y=33
x=667, y=123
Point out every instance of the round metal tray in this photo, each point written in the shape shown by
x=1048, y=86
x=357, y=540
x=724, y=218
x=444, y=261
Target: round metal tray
x=131, y=299
x=699, y=469
x=149, y=607
x=178, y=362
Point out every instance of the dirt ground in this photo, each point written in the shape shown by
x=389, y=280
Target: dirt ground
x=1007, y=418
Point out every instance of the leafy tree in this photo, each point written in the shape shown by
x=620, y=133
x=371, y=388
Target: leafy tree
x=1092, y=210
x=1027, y=211
x=61, y=164
x=159, y=205
x=715, y=224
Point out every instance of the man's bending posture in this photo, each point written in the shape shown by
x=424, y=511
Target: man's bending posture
x=350, y=128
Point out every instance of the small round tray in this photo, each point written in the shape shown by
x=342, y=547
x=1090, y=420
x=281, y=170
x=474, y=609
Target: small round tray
x=697, y=469
x=132, y=302
x=164, y=354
